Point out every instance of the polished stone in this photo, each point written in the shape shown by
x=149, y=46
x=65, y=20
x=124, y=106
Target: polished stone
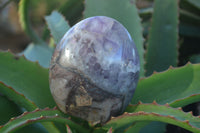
x=95, y=69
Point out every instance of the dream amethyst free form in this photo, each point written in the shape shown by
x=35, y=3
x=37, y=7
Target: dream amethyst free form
x=94, y=70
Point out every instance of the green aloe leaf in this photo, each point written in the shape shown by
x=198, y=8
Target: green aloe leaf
x=25, y=83
x=136, y=127
x=176, y=86
x=163, y=37
x=44, y=115
x=8, y=109
x=189, y=30
x=185, y=15
x=72, y=10
x=25, y=21
x=17, y=97
x=34, y=128
x=195, y=58
x=27, y=78
x=154, y=112
x=125, y=12
x=189, y=22
x=195, y=3
x=57, y=25
x=68, y=129
x=146, y=127
x=40, y=53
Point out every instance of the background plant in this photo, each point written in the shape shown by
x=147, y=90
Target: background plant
x=166, y=34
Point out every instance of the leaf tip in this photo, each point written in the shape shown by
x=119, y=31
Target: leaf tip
x=125, y=113
x=140, y=112
x=171, y=67
x=186, y=121
x=12, y=119
x=54, y=108
x=190, y=112
x=110, y=130
x=112, y=118
x=25, y=113
x=154, y=103
x=47, y=108
x=180, y=109
x=37, y=109
x=9, y=51
x=154, y=72
x=167, y=104
x=68, y=129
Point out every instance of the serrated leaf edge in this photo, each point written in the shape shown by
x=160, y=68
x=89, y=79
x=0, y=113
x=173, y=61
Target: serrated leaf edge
x=169, y=69
x=22, y=56
x=47, y=23
x=55, y=115
x=148, y=37
x=126, y=114
x=21, y=95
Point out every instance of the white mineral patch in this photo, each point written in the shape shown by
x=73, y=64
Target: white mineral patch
x=59, y=91
x=64, y=58
x=106, y=108
x=131, y=67
x=101, y=50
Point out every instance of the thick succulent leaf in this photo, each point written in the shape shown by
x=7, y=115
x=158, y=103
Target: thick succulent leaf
x=195, y=59
x=110, y=130
x=187, y=17
x=72, y=10
x=146, y=127
x=127, y=15
x=154, y=127
x=136, y=127
x=163, y=37
x=16, y=97
x=40, y=116
x=25, y=21
x=146, y=13
x=189, y=30
x=68, y=129
x=190, y=6
x=34, y=128
x=57, y=25
x=25, y=83
x=8, y=109
x=27, y=78
x=196, y=3
x=40, y=53
x=155, y=112
x=176, y=86
x=189, y=22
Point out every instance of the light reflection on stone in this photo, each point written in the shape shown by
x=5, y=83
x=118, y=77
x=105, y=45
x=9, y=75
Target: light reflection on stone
x=98, y=65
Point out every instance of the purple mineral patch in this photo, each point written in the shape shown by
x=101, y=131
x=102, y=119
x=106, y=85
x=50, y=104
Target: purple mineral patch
x=94, y=70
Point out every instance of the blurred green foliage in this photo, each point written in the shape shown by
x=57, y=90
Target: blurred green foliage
x=167, y=35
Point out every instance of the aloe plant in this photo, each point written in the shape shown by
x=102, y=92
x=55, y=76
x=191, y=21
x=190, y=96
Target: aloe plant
x=168, y=81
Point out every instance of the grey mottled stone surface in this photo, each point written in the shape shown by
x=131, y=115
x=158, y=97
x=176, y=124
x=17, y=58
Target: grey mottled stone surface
x=94, y=70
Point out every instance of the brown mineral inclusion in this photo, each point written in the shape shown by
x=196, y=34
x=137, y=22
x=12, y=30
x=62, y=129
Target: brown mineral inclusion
x=94, y=70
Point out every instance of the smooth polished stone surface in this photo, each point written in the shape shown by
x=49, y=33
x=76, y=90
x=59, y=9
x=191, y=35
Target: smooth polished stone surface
x=94, y=70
